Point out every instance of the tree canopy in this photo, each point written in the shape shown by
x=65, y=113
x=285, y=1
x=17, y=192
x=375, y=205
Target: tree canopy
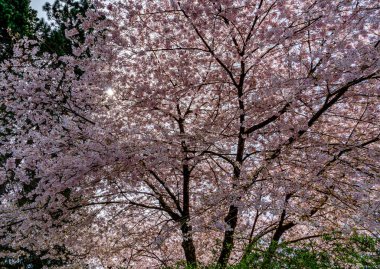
x=193, y=133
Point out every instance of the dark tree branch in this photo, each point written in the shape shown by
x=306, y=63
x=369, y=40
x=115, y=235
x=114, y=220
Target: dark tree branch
x=267, y=121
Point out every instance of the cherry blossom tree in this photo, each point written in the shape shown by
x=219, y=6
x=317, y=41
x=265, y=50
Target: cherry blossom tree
x=192, y=130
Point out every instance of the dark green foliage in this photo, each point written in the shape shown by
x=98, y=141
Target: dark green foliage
x=30, y=260
x=359, y=251
x=63, y=16
x=17, y=19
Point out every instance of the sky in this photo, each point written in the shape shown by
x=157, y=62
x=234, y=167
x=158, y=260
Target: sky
x=37, y=5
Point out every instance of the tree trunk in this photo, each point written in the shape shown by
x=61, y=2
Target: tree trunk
x=188, y=244
x=232, y=217
x=269, y=255
x=228, y=242
x=281, y=229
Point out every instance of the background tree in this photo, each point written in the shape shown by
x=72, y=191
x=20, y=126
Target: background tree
x=17, y=19
x=198, y=129
x=62, y=15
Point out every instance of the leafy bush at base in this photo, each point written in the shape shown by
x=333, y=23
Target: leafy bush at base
x=360, y=251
